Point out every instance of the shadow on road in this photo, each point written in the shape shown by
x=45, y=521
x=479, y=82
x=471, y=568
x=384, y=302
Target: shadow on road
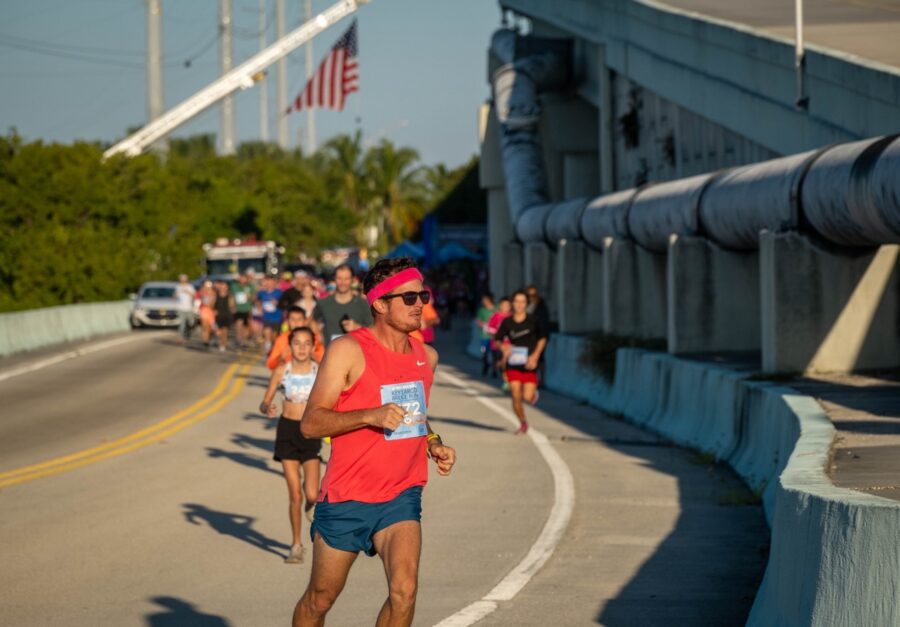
x=235, y=525
x=251, y=461
x=245, y=441
x=255, y=380
x=708, y=567
x=178, y=613
x=462, y=422
x=268, y=423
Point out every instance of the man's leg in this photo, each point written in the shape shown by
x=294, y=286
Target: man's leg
x=329, y=574
x=399, y=547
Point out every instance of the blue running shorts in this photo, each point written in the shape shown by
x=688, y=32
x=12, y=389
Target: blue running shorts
x=350, y=525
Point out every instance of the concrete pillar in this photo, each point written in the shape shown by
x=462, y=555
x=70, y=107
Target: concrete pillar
x=500, y=233
x=826, y=310
x=568, y=126
x=579, y=297
x=540, y=263
x=580, y=175
x=605, y=124
x=513, y=267
x=713, y=298
x=634, y=290
x=491, y=178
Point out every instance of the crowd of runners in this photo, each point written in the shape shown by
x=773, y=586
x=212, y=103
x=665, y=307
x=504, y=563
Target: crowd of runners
x=353, y=365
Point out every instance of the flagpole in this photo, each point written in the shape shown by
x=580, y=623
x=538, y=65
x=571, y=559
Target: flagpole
x=310, y=114
x=281, y=79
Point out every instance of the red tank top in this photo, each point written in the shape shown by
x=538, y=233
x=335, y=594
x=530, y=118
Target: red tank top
x=364, y=466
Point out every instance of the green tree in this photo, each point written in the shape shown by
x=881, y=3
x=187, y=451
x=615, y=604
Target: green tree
x=398, y=190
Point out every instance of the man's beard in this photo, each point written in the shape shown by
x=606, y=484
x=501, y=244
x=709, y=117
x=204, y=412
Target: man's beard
x=406, y=326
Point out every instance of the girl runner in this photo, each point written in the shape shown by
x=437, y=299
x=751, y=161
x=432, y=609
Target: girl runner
x=292, y=449
x=527, y=339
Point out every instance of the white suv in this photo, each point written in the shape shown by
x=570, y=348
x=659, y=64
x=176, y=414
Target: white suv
x=155, y=305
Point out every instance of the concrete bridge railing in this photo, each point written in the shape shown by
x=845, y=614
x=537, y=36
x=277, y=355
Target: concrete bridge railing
x=36, y=328
x=834, y=557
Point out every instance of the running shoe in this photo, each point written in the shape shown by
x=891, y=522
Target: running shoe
x=505, y=386
x=523, y=429
x=536, y=396
x=296, y=555
x=309, y=509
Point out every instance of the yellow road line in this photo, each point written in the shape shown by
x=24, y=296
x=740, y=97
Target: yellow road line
x=220, y=387
x=193, y=414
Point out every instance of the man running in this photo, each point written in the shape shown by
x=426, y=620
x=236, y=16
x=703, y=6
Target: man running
x=185, y=293
x=527, y=339
x=268, y=298
x=371, y=398
x=243, y=292
x=342, y=311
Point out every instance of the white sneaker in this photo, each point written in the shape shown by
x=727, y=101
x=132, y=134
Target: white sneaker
x=296, y=555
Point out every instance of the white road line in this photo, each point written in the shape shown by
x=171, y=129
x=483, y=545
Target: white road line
x=78, y=352
x=542, y=549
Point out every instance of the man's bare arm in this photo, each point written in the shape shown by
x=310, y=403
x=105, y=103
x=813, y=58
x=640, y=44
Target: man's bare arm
x=340, y=368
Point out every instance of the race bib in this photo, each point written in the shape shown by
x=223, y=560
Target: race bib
x=240, y=298
x=518, y=356
x=297, y=387
x=411, y=397
x=269, y=306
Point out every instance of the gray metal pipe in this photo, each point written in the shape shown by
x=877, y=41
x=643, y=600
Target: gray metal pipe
x=526, y=67
x=851, y=194
x=665, y=209
x=564, y=222
x=531, y=225
x=743, y=201
x=607, y=216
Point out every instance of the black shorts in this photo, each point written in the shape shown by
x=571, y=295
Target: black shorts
x=290, y=443
x=274, y=326
x=242, y=316
x=224, y=321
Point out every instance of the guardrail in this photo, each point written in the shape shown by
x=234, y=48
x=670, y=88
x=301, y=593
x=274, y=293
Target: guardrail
x=834, y=557
x=36, y=328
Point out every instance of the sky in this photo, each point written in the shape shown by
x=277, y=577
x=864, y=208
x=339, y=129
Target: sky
x=75, y=69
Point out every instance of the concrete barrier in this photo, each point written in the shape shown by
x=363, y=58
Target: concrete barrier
x=567, y=375
x=834, y=558
x=36, y=328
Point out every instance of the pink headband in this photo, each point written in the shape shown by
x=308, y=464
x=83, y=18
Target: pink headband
x=404, y=276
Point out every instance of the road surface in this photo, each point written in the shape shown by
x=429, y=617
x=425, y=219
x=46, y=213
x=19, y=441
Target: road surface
x=137, y=488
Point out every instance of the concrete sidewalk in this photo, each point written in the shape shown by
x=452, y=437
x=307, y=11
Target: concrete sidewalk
x=659, y=535
x=868, y=29
x=865, y=410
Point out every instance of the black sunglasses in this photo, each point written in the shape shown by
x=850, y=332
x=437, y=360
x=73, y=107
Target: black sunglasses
x=409, y=298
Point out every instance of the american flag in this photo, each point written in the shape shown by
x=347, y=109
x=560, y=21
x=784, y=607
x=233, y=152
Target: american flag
x=337, y=76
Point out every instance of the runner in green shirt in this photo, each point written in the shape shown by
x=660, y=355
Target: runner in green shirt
x=481, y=319
x=243, y=292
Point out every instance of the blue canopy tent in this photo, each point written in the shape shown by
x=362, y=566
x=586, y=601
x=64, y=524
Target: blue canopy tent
x=407, y=249
x=454, y=251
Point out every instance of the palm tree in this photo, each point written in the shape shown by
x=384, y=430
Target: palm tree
x=399, y=193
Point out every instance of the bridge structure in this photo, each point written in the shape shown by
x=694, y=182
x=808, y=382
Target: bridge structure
x=676, y=174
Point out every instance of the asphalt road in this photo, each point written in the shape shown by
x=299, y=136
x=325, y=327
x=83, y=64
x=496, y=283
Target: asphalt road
x=148, y=497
